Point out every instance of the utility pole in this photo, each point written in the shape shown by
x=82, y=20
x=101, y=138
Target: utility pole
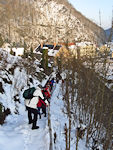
x=100, y=17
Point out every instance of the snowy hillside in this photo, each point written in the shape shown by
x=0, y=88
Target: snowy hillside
x=16, y=128
x=14, y=80
x=16, y=74
x=48, y=21
x=80, y=111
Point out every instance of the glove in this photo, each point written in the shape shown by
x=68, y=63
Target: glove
x=46, y=102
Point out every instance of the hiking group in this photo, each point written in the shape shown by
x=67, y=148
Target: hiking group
x=37, y=99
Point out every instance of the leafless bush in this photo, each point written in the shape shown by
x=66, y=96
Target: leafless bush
x=88, y=94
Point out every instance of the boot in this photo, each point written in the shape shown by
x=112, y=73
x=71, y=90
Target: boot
x=45, y=115
x=36, y=127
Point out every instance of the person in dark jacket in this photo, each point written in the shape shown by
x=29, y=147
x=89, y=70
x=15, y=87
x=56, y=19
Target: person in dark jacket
x=51, y=83
x=58, y=77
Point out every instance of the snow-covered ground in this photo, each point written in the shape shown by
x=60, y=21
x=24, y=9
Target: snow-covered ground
x=17, y=134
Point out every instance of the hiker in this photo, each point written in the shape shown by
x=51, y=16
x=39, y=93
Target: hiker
x=58, y=77
x=31, y=106
x=48, y=86
x=46, y=95
x=47, y=92
x=42, y=103
x=51, y=83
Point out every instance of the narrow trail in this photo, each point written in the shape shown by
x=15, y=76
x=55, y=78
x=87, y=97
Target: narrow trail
x=19, y=134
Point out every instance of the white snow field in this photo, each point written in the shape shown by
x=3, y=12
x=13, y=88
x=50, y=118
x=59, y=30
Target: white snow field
x=16, y=134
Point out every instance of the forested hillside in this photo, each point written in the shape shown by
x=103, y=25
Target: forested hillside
x=51, y=21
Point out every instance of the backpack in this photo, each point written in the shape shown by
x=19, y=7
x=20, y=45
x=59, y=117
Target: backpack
x=28, y=94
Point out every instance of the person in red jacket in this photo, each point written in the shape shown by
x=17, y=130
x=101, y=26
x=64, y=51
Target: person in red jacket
x=47, y=91
x=42, y=104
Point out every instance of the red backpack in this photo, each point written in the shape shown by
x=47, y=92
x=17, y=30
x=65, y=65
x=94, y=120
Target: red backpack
x=40, y=102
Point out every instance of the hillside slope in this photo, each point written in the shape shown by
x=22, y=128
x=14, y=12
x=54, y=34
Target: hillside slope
x=46, y=21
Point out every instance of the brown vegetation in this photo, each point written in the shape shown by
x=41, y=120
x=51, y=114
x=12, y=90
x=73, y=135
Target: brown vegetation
x=88, y=100
x=24, y=21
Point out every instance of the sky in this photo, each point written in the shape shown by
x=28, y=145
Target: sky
x=96, y=9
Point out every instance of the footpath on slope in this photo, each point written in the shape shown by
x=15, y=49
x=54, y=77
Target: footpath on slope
x=16, y=134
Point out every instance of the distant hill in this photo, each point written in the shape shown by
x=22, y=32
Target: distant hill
x=108, y=32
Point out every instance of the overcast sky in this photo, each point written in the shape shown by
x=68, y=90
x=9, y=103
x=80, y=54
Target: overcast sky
x=91, y=9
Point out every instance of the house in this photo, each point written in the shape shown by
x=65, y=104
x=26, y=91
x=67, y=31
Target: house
x=52, y=49
x=17, y=51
